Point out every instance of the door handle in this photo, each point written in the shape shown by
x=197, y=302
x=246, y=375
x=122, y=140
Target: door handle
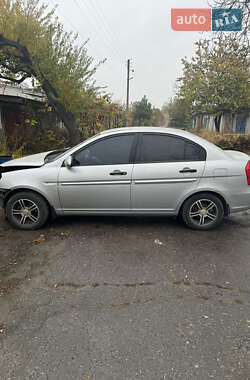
x=118, y=172
x=188, y=170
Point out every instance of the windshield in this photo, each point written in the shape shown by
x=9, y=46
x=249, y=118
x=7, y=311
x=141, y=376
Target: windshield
x=58, y=154
x=54, y=155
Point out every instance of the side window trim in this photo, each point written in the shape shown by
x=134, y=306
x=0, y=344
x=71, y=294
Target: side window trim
x=137, y=158
x=131, y=154
x=134, y=147
x=139, y=147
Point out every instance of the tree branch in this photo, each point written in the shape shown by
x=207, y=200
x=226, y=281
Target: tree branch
x=6, y=42
x=28, y=67
x=19, y=81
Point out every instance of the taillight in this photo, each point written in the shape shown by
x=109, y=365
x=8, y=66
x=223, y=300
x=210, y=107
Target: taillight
x=248, y=172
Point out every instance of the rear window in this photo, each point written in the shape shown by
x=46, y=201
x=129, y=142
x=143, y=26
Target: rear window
x=168, y=148
x=194, y=152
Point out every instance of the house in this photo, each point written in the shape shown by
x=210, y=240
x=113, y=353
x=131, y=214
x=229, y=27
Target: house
x=13, y=102
x=227, y=123
x=16, y=103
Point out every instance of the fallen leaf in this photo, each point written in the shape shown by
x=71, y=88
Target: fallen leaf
x=64, y=235
x=157, y=241
x=55, y=285
x=39, y=240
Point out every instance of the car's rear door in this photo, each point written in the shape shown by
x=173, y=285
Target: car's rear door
x=100, y=178
x=167, y=167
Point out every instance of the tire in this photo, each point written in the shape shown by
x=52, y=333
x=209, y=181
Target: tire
x=27, y=211
x=203, y=211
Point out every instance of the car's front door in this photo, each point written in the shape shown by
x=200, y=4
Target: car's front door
x=167, y=167
x=100, y=177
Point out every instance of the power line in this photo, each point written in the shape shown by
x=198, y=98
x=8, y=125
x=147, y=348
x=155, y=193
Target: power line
x=105, y=26
x=114, y=35
x=100, y=21
x=94, y=23
x=84, y=39
x=81, y=11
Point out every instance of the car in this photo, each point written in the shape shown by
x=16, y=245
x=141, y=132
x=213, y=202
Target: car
x=128, y=171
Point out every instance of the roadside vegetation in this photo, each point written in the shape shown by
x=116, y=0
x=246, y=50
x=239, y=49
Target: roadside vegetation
x=228, y=142
x=215, y=81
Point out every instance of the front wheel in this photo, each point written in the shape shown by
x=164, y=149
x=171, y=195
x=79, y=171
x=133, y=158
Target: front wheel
x=203, y=212
x=27, y=210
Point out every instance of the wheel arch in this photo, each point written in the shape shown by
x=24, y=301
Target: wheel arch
x=10, y=193
x=218, y=195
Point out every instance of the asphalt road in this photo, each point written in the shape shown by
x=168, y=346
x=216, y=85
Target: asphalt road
x=100, y=298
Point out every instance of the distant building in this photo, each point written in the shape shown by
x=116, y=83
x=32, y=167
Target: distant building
x=225, y=124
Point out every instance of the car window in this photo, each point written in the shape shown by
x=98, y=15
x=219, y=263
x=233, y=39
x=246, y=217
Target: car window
x=194, y=152
x=109, y=151
x=167, y=148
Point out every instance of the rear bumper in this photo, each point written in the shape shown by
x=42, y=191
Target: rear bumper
x=240, y=201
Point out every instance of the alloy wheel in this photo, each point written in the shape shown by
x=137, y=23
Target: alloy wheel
x=203, y=212
x=25, y=211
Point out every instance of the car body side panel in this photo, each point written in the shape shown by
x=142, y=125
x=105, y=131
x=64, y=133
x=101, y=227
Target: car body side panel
x=227, y=178
x=159, y=187
x=93, y=188
x=224, y=174
x=43, y=180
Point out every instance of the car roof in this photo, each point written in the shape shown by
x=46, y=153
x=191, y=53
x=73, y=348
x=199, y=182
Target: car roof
x=142, y=129
x=175, y=131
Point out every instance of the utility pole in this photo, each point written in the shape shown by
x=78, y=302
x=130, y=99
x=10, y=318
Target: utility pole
x=128, y=79
x=128, y=75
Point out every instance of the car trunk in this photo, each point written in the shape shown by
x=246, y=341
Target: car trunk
x=236, y=155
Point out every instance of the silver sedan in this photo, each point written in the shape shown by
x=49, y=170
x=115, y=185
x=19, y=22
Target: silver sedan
x=128, y=171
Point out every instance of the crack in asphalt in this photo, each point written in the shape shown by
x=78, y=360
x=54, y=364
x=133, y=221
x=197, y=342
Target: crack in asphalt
x=96, y=285
x=147, y=283
x=237, y=301
x=210, y=284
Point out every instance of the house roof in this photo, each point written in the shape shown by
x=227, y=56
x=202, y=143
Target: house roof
x=21, y=92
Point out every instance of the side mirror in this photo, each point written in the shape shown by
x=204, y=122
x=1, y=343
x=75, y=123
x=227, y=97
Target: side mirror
x=68, y=162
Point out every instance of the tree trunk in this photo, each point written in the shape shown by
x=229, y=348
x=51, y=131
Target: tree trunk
x=27, y=67
x=69, y=120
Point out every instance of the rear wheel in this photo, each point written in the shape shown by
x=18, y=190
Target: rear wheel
x=27, y=211
x=203, y=211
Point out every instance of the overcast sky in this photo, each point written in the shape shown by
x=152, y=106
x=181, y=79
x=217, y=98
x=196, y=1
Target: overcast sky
x=136, y=29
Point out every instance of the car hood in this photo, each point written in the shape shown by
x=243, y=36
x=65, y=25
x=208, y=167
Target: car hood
x=33, y=160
